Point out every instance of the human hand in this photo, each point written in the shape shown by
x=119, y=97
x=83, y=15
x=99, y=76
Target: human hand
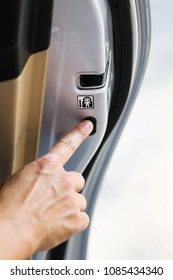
x=40, y=205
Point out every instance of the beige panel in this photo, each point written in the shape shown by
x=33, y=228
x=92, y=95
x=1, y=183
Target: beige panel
x=21, y=104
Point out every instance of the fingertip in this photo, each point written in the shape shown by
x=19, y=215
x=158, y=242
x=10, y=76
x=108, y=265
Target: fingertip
x=87, y=125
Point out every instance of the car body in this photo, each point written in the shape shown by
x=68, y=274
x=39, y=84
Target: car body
x=86, y=60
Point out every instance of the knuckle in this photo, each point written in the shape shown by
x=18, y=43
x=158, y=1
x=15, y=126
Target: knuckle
x=78, y=179
x=81, y=133
x=80, y=221
x=73, y=224
x=82, y=202
x=67, y=183
x=47, y=161
x=76, y=221
x=68, y=231
x=86, y=221
x=70, y=201
x=73, y=201
x=72, y=180
x=68, y=142
x=81, y=178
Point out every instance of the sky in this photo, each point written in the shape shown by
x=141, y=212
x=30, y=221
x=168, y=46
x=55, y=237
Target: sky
x=137, y=191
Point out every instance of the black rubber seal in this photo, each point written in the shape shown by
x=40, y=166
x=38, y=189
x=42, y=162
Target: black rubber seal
x=123, y=58
x=25, y=28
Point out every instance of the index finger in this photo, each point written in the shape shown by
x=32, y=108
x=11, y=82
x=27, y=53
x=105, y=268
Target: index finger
x=66, y=147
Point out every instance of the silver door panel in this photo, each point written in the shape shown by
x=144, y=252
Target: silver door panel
x=81, y=44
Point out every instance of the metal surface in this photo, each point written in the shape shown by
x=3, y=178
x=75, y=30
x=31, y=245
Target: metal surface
x=80, y=44
x=77, y=246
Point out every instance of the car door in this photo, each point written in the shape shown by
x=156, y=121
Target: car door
x=24, y=42
x=73, y=60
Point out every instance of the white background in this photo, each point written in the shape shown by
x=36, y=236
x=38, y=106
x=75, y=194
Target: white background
x=133, y=218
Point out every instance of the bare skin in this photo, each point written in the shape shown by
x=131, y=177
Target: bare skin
x=40, y=205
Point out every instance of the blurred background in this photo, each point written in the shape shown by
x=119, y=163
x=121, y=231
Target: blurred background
x=133, y=217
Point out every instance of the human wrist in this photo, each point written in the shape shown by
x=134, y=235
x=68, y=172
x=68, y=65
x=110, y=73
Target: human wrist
x=17, y=239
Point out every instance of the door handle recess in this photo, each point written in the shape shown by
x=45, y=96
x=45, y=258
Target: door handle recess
x=80, y=74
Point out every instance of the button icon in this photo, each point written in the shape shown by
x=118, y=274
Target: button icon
x=85, y=102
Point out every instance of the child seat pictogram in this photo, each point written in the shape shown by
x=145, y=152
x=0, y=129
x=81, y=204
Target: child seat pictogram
x=85, y=102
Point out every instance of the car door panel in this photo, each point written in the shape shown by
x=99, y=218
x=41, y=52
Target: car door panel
x=24, y=41
x=64, y=61
x=79, y=69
